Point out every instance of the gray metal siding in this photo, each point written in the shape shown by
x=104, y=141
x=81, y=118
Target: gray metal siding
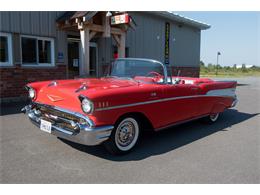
x=146, y=41
x=41, y=24
x=185, y=46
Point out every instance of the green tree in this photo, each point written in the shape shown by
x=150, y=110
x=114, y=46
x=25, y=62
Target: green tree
x=243, y=69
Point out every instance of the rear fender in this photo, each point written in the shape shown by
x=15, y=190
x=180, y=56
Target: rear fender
x=217, y=108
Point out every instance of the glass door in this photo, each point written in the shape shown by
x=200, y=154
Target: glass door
x=73, y=58
x=93, y=61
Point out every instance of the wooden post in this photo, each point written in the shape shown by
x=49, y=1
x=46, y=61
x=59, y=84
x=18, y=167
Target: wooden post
x=106, y=25
x=84, y=52
x=121, y=47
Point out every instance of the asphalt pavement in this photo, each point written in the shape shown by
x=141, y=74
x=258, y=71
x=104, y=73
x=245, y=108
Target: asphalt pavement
x=225, y=152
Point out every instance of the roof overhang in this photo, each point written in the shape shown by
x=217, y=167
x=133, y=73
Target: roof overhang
x=70, y=19
x=181, y=19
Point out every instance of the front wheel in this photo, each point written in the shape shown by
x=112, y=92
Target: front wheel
x=124, y=136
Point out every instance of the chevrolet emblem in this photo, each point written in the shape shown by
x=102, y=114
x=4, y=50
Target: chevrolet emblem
x=54, y=98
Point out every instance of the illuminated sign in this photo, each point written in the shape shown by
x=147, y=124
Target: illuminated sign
x=120, y=19
x=167, y=44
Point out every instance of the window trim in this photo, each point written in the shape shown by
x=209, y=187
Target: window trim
x=37, y=51
x=9, y=49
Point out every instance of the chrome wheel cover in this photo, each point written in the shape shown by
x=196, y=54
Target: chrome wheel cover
x=214, y=117
x=126, y=134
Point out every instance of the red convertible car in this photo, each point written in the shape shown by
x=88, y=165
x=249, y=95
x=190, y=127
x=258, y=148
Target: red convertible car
x=137, y=94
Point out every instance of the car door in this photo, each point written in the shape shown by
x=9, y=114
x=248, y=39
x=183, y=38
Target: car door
x=182, y=102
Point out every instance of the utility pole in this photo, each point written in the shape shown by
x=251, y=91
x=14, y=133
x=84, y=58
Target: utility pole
x=218, y=54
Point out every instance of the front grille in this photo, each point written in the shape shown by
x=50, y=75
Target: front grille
x=58, y=118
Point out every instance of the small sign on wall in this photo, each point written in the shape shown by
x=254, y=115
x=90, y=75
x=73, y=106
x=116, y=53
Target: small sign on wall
x=167, y=44
x=75, y=62
x=60, y=57
x=120, y=19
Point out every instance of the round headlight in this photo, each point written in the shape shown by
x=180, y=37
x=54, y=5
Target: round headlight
x=87, y=106
x=31, y=93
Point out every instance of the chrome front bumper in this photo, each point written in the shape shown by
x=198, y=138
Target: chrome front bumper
x=87, y=135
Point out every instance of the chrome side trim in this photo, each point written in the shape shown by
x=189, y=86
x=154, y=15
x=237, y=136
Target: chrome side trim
x=222, y=92
x=166, y=99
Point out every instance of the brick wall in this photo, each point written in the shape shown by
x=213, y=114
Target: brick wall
x=13, y=79
x=186, y=71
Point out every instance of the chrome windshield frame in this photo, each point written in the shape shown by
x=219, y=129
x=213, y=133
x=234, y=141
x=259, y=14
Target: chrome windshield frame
x=149, y=60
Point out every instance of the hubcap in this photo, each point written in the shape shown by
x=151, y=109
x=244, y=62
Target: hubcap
x=126, y=134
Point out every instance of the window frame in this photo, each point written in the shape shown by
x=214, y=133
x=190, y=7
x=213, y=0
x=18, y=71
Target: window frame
x=37, y=64
x=9, y=49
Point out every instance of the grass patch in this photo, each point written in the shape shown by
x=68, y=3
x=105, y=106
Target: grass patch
x=219, y=71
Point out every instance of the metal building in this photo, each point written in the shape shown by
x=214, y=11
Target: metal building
x=56, y=45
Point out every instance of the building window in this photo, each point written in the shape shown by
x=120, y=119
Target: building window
x=6, y=49
x=37, y=51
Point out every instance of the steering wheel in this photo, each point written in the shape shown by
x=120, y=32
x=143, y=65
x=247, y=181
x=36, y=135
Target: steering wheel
x=158, y=75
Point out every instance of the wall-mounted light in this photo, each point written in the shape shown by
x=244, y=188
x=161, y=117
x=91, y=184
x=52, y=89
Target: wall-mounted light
x=108, y=14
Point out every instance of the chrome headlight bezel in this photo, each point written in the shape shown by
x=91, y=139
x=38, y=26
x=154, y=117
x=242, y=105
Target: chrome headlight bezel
x=31, y=92
x=87, y=105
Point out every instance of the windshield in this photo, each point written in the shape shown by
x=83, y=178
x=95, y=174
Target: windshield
x=132, y=68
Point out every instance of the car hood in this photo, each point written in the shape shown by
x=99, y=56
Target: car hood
x=93, y=84
x=66, y=91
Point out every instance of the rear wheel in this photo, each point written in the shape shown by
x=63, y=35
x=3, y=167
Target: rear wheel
x=212, y=118
x=124, y=136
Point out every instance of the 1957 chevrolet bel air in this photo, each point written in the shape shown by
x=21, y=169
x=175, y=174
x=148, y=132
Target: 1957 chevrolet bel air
x=137, y=94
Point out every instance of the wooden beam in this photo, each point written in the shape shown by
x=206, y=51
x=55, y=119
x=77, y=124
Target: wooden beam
x=84, y=52
x=92, y=34
x=106, y=25
x=95, y=27
x=117, y=39
x=116, y=31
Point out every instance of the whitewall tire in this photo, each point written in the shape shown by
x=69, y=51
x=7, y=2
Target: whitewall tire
x=212, y=118
x=124, y=136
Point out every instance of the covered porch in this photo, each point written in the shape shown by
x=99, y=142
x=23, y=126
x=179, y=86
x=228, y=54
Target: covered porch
x=91, y=26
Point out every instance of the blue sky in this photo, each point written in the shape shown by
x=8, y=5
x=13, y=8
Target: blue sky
x=235, y=34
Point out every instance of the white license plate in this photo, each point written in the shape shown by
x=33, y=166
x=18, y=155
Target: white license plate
x=45, y=126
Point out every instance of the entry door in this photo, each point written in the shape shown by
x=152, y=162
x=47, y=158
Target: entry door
x=74, y=58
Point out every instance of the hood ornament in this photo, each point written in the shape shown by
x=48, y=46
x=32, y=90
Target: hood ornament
x=53, y=83
x=82, y=87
